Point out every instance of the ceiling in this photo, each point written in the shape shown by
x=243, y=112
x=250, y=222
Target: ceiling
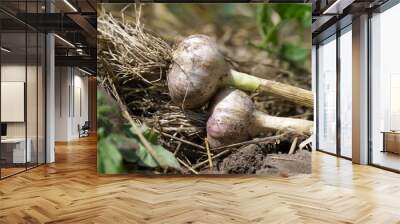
x=329, y=15
x=74, y=22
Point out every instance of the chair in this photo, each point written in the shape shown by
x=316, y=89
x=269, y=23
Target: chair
x=84, y=130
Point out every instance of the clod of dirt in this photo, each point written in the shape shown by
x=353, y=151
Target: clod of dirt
x=286, y=165
x=247, y=160
x=254, y=159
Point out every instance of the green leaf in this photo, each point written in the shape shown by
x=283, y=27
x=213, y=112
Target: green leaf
x=148, y=133
x=294, y=53
x=145, y=158
x=127, y=147
x=265, y=24
x=307, y=19
x=109, y=157
x=167, y=158
x=293, y=11
x=118, y=143
x=108, y=115
x=151, y=135
x=272, y=19
x=130, y=155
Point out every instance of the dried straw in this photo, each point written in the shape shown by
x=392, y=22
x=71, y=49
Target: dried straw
x=131, y=52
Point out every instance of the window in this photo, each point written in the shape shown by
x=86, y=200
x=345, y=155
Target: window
x=346, y=92
x=22, y=101
x=327, y=95
x=385, y=89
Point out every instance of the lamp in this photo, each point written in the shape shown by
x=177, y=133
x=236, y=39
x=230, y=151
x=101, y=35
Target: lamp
x=337, y=7
x=70, y=5
x=84, y=71
x=5, y=50
x=64, y=40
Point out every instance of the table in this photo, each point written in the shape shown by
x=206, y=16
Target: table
x=391, y=141
x=17, y=149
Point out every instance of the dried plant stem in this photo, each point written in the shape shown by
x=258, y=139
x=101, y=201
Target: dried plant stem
x=306, y=143
x=187, y=166
x=178, y=148
x=208, y=153
x=182, y=140
x=133, y=53
x=200, y=164
x=293, y=146
x=279, y=158
x=253, y=141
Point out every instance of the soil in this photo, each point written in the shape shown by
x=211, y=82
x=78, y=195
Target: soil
x=257, y=159
x=287, y=165
x=247, y=160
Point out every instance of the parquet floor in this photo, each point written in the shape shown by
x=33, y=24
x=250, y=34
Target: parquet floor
x=10, y=171
x=70, y=191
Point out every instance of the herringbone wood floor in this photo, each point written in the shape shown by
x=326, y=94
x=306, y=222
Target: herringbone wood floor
x=70, y=191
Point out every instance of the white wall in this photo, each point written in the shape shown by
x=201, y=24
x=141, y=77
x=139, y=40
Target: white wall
x=70, y=84
x=80, y=103
x=14, y=72
x=33, y=126
x=62, y=80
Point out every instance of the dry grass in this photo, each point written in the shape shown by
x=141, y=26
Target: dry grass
x=131, y=52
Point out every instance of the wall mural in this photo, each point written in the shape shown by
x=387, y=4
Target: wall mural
x=204, y=89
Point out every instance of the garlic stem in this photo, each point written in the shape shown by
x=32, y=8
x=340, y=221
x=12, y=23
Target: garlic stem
x=261, y=122
x=251, y=83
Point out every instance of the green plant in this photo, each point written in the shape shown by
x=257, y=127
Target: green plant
x=120, y=149
x=282, y=28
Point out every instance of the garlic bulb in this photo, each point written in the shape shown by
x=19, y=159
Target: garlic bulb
x=197, y=70
x=233, y=119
